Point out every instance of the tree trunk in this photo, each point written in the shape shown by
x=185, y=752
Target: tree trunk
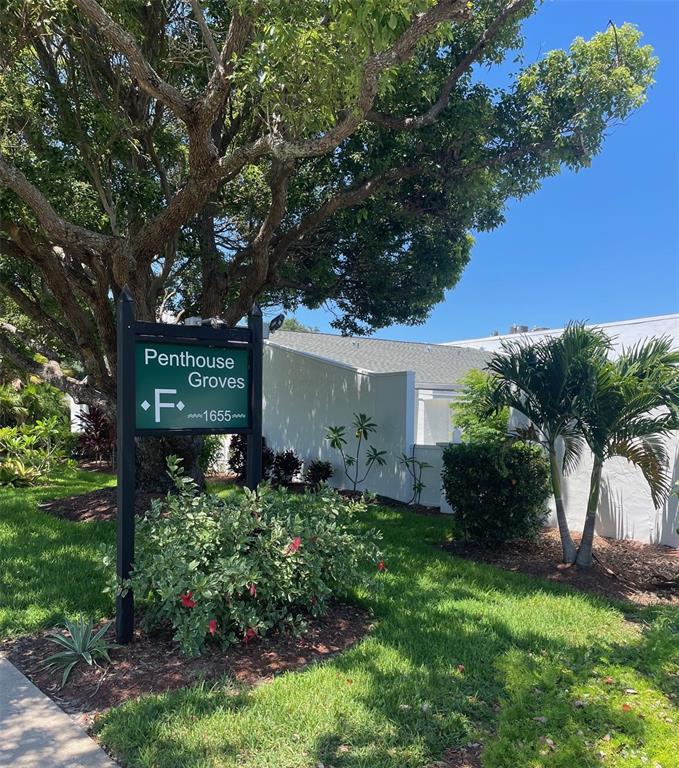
x=584, y=558
x=151, y=460
x=567, y=543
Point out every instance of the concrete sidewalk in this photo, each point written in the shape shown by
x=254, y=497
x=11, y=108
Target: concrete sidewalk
x=36, y=733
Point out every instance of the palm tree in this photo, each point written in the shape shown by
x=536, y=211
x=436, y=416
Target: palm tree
x=629, y=407
x=544, y=381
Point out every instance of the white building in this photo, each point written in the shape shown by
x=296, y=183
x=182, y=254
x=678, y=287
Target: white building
x=625, y=508
x=315, y=380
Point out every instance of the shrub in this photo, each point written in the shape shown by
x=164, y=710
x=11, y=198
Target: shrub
x=497, y=493
x=474, y=415
x=28, y=452
x=317, y=473
x=97, y=438
x=238, y=456
x=230, y=569
x=286, y=464
x=210, y=453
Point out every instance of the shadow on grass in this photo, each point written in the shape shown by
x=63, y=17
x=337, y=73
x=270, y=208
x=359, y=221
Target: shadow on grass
x=461, y=652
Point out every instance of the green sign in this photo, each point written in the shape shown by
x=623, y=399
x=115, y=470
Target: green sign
x=187, y=386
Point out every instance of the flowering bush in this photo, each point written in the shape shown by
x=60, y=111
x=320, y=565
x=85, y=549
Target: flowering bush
x=232, y=569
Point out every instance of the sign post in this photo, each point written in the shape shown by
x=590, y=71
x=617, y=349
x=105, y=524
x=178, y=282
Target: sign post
x=178, y=379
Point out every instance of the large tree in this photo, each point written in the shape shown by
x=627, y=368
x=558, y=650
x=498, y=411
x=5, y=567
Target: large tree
x=214, y=152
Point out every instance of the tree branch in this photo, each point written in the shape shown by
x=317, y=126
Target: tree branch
x=59, y=229
x=401, y=50
x=50, y=372
x=148, y=78
x=430, y=116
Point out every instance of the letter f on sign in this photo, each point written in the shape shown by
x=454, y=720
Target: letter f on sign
x=160, y=404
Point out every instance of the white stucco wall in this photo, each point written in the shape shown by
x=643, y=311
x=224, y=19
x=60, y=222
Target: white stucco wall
x=626, y=510
x=304, y=394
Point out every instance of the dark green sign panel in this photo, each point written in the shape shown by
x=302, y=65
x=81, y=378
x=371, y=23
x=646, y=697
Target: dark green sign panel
x=187, y=386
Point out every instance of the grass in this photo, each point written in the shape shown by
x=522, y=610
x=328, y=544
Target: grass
x=544, y=677
x=48, y=567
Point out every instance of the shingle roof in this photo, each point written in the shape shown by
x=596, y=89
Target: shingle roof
x=434, y=365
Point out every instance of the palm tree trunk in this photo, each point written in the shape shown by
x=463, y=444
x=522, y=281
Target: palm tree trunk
x=567, y=543
x=584, y=558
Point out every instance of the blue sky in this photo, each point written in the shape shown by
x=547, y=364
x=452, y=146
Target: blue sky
x=599, y=245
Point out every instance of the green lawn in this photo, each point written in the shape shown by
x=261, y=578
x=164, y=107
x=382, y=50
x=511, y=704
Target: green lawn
x=48, y=567
x=399, y=699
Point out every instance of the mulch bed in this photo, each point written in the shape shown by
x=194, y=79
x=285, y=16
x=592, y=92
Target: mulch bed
x=96, y=505
x=643, y=574
x=153, y=663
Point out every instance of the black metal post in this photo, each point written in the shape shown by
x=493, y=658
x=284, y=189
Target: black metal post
x=254, y=468
x=126, y=462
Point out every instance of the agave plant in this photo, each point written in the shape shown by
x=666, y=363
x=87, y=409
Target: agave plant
x=80, y=643
x=545, y=382
x=628, y=411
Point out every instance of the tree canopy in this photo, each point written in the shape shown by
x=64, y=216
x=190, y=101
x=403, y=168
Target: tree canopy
x=216, y=152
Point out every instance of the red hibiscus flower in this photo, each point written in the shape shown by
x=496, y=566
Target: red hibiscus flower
x=187, y=600
x=294, y=545
x=250, y=634
x=212, y=627
x=253, y=590
x=381, y=566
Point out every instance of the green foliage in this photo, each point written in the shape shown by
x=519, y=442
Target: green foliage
x=30, y=402
x=293, y=324
x=211, y=453
x=232, y=569
x=317, y=473
x=415, y=468
x=79, y=644
x=286, y=464
x=97, y=436
x=29, y=452
x=497, y=493
x=474, y=413
x=238, y=456
x=362, y=426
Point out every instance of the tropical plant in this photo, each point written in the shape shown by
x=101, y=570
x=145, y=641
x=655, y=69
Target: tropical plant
x=230, y=569
x=97, y=438
x=470, y=413
x=628, y=409
x=29, y=451
x=286, y=464
x=16, y=473
x=497, y=492
x=363, y=426
x=545, y=382
x=414, y=467
x=317, y=473
x=13, y=410
x=80, y=644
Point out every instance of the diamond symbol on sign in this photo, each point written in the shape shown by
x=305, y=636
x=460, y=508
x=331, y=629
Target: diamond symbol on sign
x=180, y=406
x=146, y=405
